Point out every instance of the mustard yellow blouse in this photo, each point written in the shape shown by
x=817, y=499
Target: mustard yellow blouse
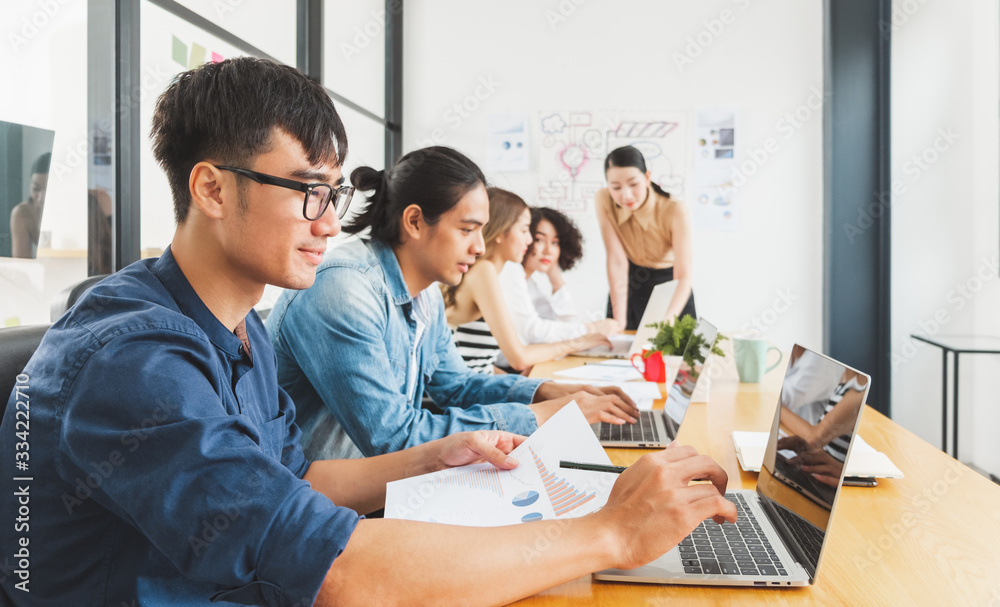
x=645, y=233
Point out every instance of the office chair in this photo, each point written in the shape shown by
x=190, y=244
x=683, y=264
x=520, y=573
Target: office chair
x=17, y=344
x=69, y=296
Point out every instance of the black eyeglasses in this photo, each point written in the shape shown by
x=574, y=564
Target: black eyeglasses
x=318, y=195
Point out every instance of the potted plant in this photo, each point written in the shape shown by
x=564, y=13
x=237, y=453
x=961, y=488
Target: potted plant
x=671, y=339
x=669, y=343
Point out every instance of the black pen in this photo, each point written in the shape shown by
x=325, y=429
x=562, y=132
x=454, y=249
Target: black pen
x=591, y=467
x=859, y=481
x=600, y=468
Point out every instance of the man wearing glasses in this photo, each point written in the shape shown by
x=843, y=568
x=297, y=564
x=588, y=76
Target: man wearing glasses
x=164, y=461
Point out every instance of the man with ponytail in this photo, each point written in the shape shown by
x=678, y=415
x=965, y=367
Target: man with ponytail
x=165, y=465
x=358, y=350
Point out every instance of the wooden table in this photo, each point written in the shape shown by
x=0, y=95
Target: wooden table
x=931, y=538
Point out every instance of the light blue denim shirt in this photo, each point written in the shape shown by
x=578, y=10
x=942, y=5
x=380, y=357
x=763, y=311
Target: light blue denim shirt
x=344, y=348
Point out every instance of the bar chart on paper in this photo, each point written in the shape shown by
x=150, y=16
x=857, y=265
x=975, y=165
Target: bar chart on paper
x=485, y=479
x=563, y=496
x=537, y=489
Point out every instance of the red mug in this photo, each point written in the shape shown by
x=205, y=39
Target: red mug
x=652, y=368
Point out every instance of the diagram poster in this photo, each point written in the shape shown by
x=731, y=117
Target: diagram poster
x=573, y=146
x=713, y=205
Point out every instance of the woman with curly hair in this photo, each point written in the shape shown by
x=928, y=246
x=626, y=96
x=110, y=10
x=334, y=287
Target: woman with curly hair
x=540, y=306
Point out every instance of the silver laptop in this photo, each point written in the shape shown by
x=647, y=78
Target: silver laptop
x=657, y=428
x=624, y=346
x=781, y=530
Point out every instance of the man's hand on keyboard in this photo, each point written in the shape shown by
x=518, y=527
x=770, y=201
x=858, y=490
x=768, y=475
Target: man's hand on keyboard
x=597, y=404
x=653, y=506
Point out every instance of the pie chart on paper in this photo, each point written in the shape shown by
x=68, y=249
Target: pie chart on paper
x=525, y=499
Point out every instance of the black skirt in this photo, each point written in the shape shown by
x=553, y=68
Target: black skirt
x=641, y=282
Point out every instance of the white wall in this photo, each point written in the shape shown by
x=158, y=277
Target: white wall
x=766, y=62
x=945, y=237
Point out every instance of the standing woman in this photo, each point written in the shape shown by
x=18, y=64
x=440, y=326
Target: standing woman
x=477, y=310
x=647, y=237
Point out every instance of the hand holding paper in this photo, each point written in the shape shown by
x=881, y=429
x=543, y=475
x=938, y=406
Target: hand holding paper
x=481, y=495
x=481, y=446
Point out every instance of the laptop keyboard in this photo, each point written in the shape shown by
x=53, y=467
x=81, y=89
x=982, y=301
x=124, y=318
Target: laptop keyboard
x=643, y=430
x=740, y=549
x=810, y=537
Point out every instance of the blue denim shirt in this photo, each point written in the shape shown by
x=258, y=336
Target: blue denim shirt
x=164, y=461
x=344, y=348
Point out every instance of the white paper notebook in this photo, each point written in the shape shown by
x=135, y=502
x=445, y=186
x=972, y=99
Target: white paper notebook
x=599, y=372
x=864, y=461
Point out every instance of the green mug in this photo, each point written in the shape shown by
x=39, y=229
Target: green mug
x=751, y=358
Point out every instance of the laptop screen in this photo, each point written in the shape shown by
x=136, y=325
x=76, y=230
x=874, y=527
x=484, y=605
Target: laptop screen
x=814, y=424
x=25, y=157
x=696, y=353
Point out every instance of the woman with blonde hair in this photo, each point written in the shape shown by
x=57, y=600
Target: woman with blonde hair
x=476, y=308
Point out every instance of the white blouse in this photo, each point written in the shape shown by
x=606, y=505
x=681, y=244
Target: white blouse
x=539, y=316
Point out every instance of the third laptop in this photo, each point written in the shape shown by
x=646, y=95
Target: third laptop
x=658, y=428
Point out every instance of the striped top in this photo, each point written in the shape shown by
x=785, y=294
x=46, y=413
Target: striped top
x=476, y=344
x=838, y=446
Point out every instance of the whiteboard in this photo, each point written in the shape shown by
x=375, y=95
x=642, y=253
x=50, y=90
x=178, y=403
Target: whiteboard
x=572, y=146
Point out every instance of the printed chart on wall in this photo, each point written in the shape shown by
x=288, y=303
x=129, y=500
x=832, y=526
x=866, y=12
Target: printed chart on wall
x=713, y=203
x=507, y=142
x=537, y=489
x=573, y=145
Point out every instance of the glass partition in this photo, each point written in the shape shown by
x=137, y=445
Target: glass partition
x=169, y=45
x=45, y=75
x=266, y=24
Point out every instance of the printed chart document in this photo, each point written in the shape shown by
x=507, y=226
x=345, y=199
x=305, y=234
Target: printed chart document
x=480, y=495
